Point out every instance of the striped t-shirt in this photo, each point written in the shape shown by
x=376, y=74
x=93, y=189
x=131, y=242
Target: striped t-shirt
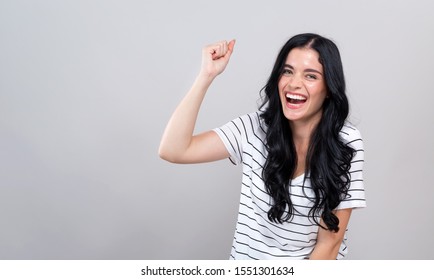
x=256, y=237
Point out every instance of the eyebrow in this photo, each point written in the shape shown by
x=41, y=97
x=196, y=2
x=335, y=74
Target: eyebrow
x=305, y=70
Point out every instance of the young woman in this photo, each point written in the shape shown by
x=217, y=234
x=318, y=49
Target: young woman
x=302, y=161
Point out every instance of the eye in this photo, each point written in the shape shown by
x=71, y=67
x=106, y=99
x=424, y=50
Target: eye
x=286, y=72
x=311, y=77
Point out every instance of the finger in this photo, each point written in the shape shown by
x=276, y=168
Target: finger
x=231, y=45
x=224, y=47
x=216, y=51
x=220, y=50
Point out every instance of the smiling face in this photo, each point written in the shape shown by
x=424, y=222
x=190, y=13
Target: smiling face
x=302, y=87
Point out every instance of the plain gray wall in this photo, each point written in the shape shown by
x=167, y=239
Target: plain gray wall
x=86, y=88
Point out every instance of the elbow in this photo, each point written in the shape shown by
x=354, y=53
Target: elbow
x=166, y=155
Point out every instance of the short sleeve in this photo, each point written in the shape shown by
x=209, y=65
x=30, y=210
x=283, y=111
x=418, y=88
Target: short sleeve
x=356, y=192
x=231, y=135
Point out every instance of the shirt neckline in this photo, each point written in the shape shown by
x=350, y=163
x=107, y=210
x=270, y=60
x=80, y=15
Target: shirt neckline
x=298, y=179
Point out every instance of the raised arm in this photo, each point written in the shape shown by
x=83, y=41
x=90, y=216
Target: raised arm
x=178, y=143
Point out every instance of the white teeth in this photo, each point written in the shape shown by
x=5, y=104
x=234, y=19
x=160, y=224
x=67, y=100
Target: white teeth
x=295, y=96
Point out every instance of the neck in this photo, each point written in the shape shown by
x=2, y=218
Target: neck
x=302, y=132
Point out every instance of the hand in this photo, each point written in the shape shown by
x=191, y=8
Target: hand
x=215, y=57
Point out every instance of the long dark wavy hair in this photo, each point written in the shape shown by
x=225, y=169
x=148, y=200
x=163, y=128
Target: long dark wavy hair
x=328, y=158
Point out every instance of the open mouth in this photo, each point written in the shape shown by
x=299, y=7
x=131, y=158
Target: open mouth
x=295, y=98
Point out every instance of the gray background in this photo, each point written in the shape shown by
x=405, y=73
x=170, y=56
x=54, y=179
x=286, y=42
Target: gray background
x=86, y=88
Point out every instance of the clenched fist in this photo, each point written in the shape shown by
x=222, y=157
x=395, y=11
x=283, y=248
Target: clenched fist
x=215, y=57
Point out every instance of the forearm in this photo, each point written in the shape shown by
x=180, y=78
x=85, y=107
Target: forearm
x=179, y=130
x=329, y=242
x=325, y=252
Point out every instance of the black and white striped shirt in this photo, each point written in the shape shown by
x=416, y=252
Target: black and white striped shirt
x=256, y=237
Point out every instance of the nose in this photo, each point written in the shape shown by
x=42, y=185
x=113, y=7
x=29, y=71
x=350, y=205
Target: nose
x=295, y=82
